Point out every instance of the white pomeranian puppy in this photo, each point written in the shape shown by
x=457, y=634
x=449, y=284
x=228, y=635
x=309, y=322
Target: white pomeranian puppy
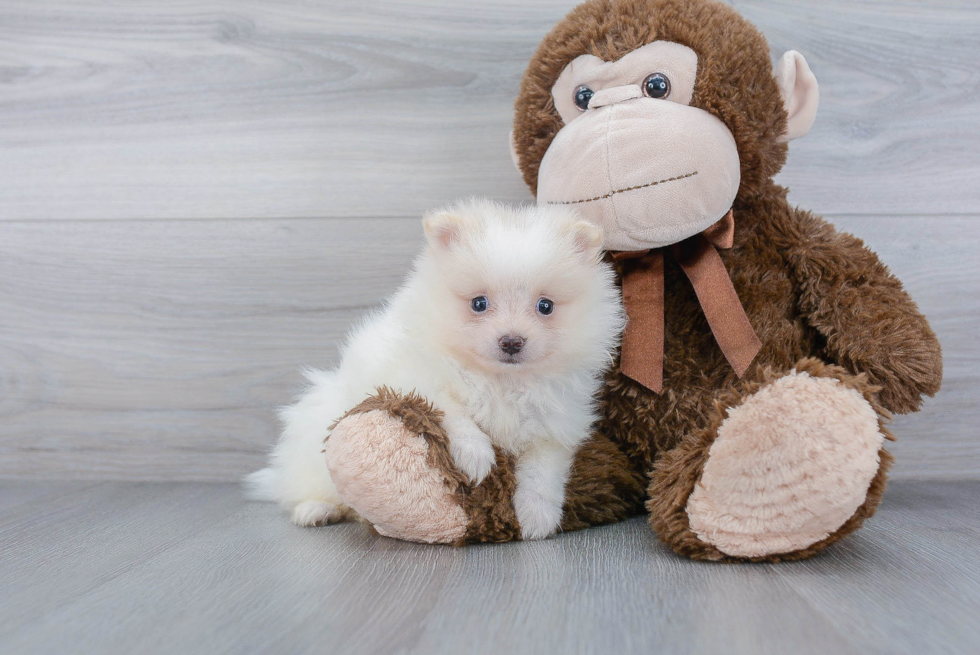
x=506, y=324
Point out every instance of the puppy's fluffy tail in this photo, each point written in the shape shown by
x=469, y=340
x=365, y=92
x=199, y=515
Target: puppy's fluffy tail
x=262, y=485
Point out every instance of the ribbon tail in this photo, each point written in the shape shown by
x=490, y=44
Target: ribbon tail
x=731, y=327
x=642, y=354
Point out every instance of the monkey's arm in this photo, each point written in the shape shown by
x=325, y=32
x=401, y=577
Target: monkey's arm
x=870, y=323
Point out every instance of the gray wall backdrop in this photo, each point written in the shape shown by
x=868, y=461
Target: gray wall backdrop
x=198, y=198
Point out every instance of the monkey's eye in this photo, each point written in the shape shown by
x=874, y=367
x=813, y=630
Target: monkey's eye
x=581, y=97
x=479, y=304
x=545, y=306
x=656, y=86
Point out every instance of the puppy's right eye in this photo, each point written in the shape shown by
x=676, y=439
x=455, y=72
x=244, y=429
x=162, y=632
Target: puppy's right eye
x=581, y=97
x=479, y=304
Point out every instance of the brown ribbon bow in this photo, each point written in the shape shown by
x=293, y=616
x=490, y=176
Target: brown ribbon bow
x=642, y=356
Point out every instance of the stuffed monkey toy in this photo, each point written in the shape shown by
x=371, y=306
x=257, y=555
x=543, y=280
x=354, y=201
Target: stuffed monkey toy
x=764, y=350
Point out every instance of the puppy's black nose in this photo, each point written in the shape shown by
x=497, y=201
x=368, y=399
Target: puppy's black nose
x=511, y=345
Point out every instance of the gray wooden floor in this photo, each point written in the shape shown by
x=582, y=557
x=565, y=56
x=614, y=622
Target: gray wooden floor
x=191, y=568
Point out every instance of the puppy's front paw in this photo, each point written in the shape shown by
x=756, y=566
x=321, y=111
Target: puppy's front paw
x=311, y=513
x=473, y=454
x=539, y=516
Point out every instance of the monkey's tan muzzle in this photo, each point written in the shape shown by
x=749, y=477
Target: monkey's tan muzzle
x=650, y=173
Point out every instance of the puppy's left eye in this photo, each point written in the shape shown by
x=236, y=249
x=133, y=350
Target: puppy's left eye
x=545, y=306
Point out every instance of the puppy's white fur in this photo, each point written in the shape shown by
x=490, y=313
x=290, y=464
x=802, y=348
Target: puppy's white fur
x=537, y=403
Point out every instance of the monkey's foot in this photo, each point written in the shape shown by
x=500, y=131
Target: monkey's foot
x=390, y=460
x=379, y=458
x=793, y=467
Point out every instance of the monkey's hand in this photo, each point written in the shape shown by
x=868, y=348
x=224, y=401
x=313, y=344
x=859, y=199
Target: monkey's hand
x=870, y=323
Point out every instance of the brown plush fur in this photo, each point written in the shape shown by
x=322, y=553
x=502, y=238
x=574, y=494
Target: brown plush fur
x=820, y=301
x=602, y=488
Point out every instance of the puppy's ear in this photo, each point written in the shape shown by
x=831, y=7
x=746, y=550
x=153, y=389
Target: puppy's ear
x=443, y=229
x=588, y=239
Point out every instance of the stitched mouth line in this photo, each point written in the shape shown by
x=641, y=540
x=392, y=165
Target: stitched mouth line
x=629, y=188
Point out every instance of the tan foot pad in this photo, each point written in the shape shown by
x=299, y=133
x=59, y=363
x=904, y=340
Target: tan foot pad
x=381, y=470
x=789, y=466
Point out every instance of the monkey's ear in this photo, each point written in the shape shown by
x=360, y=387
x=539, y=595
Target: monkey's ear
x=444, y=228
x=513, y=152
x=798, y=87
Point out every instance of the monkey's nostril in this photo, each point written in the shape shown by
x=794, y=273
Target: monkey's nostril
x=511, y=345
